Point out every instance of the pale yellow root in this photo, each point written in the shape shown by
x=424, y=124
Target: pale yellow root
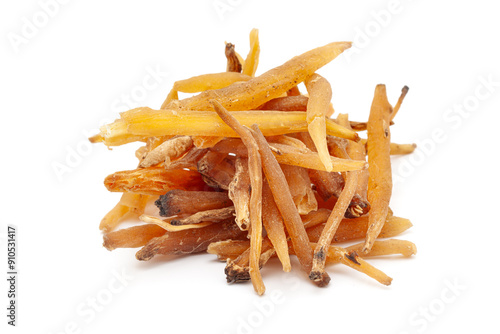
x=205, y=82
x=402, y=149
x=202, y=83
x=291, y=155
x=320, y=94
x=141, y=123
x=130, y=204
x=165, y=223
x=317, y=130
x=267, y=86
x=252, y=60
x=173, y=95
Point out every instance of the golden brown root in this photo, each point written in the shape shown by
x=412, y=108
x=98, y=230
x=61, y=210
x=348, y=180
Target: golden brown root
x=189, y=241
x=356, y=228
x=284, y=202
x=300, y=188
x=268, y=85
x=331, y=226
x=387, y=247
x=217, y=169
x=182, y=202
x=286, y=103
x=379, y=159
x=153, y=181
x=228, y=249
x=275, y=228
x=132, y=237
x=404, y=91
x=233, y=63
x=353, y=260
x=255, y=175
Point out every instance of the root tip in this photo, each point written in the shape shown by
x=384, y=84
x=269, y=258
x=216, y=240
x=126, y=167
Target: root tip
x=320, y=278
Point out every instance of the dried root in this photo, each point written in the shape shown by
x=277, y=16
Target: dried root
x=250, y=168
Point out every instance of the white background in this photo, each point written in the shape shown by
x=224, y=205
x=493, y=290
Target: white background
x=75, y=70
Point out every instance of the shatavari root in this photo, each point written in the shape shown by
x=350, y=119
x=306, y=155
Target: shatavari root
x=250, y=169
